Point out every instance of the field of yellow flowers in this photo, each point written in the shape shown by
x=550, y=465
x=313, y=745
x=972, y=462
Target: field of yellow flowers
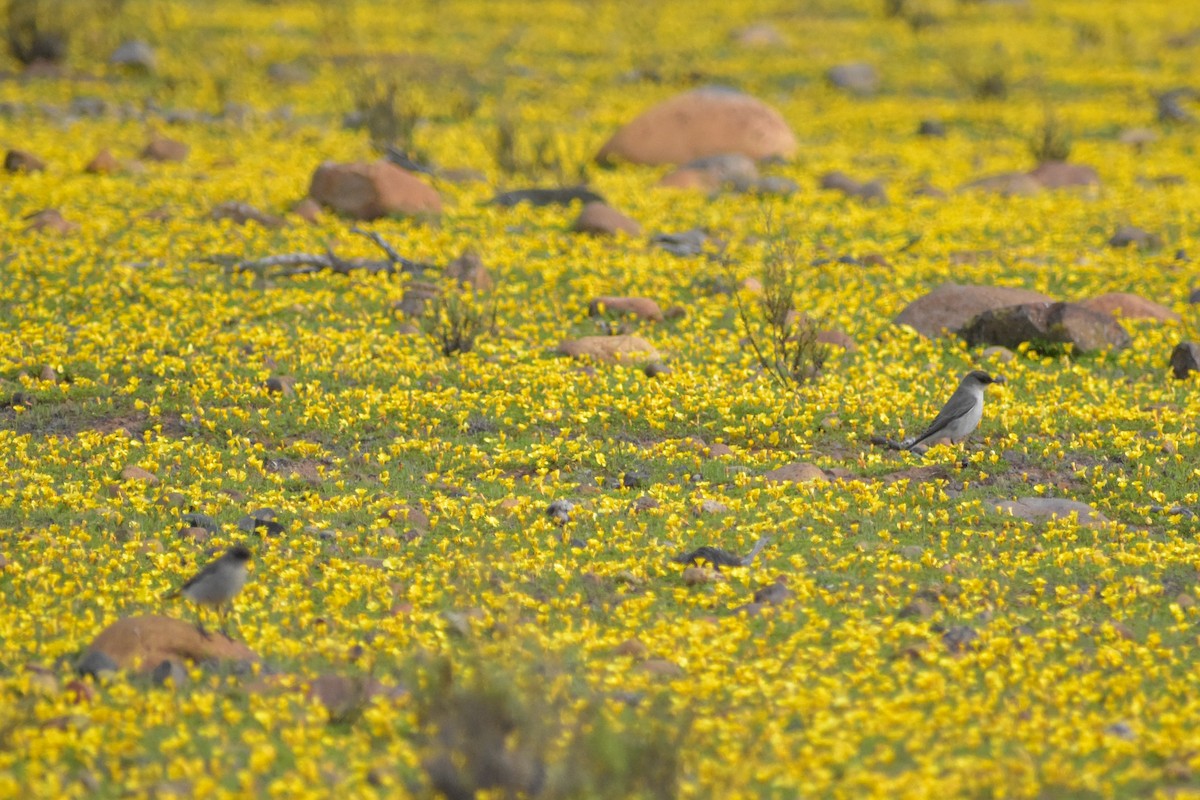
x=422, y=626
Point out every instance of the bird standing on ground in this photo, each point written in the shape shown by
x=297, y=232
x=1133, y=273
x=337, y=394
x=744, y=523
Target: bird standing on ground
x=216, y=585
x=722, y=558
x=962, y=412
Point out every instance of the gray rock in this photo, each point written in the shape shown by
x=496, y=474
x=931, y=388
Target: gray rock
x=136, y=54
x=1185, y=359
x=1040, y=509
x=1047, y=326
x=169, y=669
x=687, y=243
x=1127, y=235
x=96, y=664
x=858, y=78
x=951, y=306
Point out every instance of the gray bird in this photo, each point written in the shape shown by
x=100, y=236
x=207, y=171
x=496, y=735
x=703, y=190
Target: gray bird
x=962, y=412
x=216, y=585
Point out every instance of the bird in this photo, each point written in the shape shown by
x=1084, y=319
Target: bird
x=722, y=558
x=962, y=412
x=216, y=585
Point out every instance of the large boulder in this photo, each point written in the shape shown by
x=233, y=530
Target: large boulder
x=951, y=306
x=1047, y=324
x=702, y=122
x=369, y=190
x=1131, y=306
x=146, y=642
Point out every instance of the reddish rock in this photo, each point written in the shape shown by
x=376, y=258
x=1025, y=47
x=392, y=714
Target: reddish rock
x=145, y=642
x=1006, y=184
x=951, y=306
x=871, y=191
x=798, y=472
x=241, y=213
x=698, y=123
x=712, y=173
x=136, y=473
x=103, y=163
x=632, y=647
x=160, y=148
x=1046, y=323
x=49, y=219
x=759, y=35
x=1130, y=306
x=363, y=190
x=468, y=268
x=838, y=339
x=22, y=161
x=642, y=307
x=308, y=210
x=609, y=348
x=604, y=220
x=1061, y=175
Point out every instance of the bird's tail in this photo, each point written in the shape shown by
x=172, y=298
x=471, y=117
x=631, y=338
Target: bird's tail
x=758, y=546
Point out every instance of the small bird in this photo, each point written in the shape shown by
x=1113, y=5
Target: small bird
x=722, y=558
x=962, y=412
x=216, y=585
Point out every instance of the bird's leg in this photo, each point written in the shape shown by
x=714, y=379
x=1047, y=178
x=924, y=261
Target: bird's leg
x=200, y=622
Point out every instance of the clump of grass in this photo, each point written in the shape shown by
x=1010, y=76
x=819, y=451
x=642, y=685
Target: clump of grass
x=485, y=729
x=523, y=149
x=984, y=78
x=1052, y=141
x=457, y=316
x=785, y=342
x=389, y=116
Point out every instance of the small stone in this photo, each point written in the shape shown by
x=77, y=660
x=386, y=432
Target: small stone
x=858, y=78
x=22, y=161
x=1127, y=235
x=281, y=384
x=48, y=374
x=49, y=219
x=661, y=666
x=243, y=213
x=103, y=163
x=194, y=534
x=695, y=576
x=97, y=664
x=600, y=219
x=656, y=368
x=160, y=148
x=798, y=472
x=169, y=670
x=960, y=639
x=711, y=507
x=135, y=54
x=998, y=353
x=919, y=608
x=468, y=269
x=644, y=503
x=932, y=127
x=635, y=648
x=136, y=473
x=1185, y=359
x=308, y=210
x=641, y=307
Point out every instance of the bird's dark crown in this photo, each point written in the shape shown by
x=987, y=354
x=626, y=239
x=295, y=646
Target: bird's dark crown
x=982, y=377
x=239, y=553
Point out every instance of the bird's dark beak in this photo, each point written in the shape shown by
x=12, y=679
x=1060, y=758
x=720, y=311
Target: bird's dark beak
x=999, y=379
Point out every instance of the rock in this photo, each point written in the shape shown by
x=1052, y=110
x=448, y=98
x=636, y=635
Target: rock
x=1137, y=137
x=560, y=511
x=241, y=213
x=281, y=384
x=774, y=593
x=1005, y=184
x=1045, y=324
x=135, y=54
x=1061, y=175
x=932, y=127
x=160, y=148
x=798, y=472
x=169, y=670
x=710, y=507
x=1185, y=359
x=468, y=269
x=837, y=339
x=293, y=73
x=701, y=122
x=919, y=608
x=1040, y=509
x=145, y=642
x=929, y=190
x=539, y=197
x=96, y=664
x=136, y=473
x=870, y=191
x=1127, y=235
x=960, y=639
x=641, y=307
x=696, y=576
x=609, y=348
x=774, y=184
x=603, y=220
x=713, y=173
x=1130, y=306
x=661, y=666
x=656, y=368
x=103, y=163
x=859, y=78
x=48, y=374
x=49, y=219
x=759, y=35
x=345, y=697
x=308, y=210
x=634, y=648
x=687, y=243
x=370, y=190
x=22, y=161
x=951, y=306
x=1001, y=354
